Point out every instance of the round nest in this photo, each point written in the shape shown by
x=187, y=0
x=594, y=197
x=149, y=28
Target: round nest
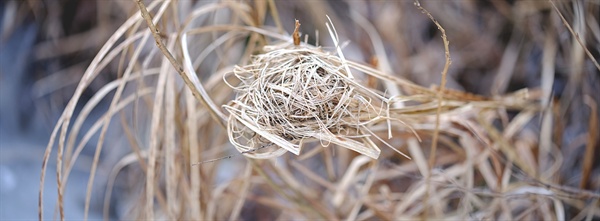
x=290, y=94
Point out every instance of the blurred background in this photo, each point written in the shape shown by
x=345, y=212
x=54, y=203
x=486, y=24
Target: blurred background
x=45, y=47
x=497, y=47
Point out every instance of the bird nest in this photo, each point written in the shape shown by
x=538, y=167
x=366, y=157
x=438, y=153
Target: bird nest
x=290, y=94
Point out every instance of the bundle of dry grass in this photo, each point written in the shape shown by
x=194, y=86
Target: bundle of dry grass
x=293, y=93
x=473, y=156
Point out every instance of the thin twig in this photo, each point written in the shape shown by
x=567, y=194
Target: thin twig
x=576, y=35
x=296, y=34
x=441, y=89
x=434, y=143
x=198, y=92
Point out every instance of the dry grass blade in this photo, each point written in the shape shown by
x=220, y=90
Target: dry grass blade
x=588, y=160
x=64, y=120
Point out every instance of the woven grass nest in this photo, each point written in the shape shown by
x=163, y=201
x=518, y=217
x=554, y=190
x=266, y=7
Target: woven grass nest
x=293, y=93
